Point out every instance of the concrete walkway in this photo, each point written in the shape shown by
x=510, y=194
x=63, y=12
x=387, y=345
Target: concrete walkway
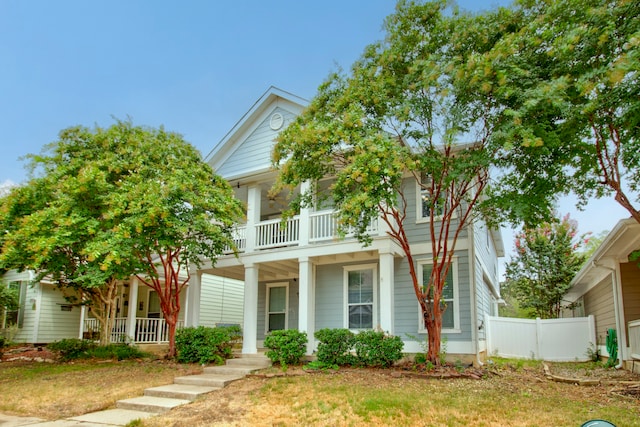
x=156, y=400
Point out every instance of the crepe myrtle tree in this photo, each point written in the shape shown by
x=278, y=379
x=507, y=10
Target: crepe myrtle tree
x=116, y=202
x=400, y=119
x=566, y=84
x=546, y=259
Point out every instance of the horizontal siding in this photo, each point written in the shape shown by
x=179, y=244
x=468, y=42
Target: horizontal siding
x=221, y=300
x=407, y=315
x=254, y=152
x=55, y=324
x=330, y=296
x=630, y=273
x=599, y=302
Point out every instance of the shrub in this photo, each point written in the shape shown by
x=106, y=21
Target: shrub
x=116, y=351
x=286, y=347
x=335, y=346
x=204, y=344
x=377, y=349
x=72, y=348
x=3, y=344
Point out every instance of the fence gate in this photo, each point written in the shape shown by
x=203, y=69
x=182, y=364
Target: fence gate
x=559, y=340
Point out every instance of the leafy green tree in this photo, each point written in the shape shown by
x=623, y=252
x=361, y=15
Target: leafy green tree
x=566, y=88
x=546, y=260
x=403, y=117
x=111, y=203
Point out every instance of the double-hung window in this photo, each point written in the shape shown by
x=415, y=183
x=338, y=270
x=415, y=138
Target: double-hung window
x=425, y=202
x=360, y=296
x=449, y=299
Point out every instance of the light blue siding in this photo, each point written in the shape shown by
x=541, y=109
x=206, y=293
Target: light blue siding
x=221, y=300
x=254, y=153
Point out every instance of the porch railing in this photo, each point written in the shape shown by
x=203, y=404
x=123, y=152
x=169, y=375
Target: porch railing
x=273, y=233
x=634, y=338
x=148, y=331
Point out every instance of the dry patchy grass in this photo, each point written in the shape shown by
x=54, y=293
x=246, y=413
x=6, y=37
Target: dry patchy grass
x=352, y=397
x=53, y=390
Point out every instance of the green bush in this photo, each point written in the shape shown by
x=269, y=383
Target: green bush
x=3, y=344
x=72, y=348
x=286, y=347
x=117, y=351
x=206, y=345
x=335, y=346
x=377, y=349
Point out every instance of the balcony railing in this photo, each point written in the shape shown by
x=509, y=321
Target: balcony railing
x=323, y=226
x=148, y=331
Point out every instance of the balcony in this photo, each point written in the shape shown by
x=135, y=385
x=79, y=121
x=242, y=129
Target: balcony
x=323, y=227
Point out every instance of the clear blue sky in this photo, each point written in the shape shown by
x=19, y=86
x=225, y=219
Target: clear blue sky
x=194, y=66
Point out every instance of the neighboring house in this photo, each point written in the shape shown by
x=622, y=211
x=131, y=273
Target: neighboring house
x=45, y=315
x=301, y=276
x=608, y=287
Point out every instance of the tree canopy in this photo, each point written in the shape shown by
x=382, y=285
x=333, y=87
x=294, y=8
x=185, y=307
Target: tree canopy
x=404, y=119
x=106, y=204
x=565, y=79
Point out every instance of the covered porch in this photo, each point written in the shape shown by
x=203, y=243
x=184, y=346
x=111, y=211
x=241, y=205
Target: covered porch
x=138, y=317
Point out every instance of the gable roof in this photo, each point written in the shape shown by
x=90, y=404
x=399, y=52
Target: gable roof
x=616, y=247
x=273, y=98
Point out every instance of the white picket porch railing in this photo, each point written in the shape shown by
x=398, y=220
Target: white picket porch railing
x=273, y=233
x=148, y=331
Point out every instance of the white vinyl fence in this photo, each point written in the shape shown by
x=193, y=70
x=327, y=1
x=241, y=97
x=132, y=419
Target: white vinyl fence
x=559, y=340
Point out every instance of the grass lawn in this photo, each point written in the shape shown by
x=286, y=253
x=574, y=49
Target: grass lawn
x=59, y=390
x=509, y=394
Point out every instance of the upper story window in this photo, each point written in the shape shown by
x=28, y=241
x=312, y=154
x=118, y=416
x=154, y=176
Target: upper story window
x=425, y=202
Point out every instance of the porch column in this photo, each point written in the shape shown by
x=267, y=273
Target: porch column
x=254, y=193
x=132, y=313
x=306, y=302
x=250, y=324
x=386, y=292
x=83, y=315
x=304, y=229
x=192, y=315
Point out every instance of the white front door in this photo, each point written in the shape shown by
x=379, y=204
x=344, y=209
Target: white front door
x=277, y=306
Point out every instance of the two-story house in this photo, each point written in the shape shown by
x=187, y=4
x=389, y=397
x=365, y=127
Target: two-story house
x=302, y=276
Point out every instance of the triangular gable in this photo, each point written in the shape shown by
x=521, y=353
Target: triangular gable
x=246, y=148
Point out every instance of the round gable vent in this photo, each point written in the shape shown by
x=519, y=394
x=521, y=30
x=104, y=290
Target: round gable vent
x=277, y=120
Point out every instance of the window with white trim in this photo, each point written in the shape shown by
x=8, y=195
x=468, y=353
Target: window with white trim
x=451, y=316
x=360, y=296
x=424, y=201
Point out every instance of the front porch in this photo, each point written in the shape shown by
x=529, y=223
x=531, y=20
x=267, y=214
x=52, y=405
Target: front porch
x=144, y=331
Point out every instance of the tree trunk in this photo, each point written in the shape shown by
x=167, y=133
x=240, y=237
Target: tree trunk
x=171, y=324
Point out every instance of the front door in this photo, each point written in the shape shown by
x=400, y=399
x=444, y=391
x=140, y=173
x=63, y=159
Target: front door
x=277, y=306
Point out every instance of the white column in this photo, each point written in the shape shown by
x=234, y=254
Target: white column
x=305, y=219
x=132, y=314
x=83, y=314
x=192, y=316
x=386, y=292
x=250, y=326
x=254, y=193
x=306, y=302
